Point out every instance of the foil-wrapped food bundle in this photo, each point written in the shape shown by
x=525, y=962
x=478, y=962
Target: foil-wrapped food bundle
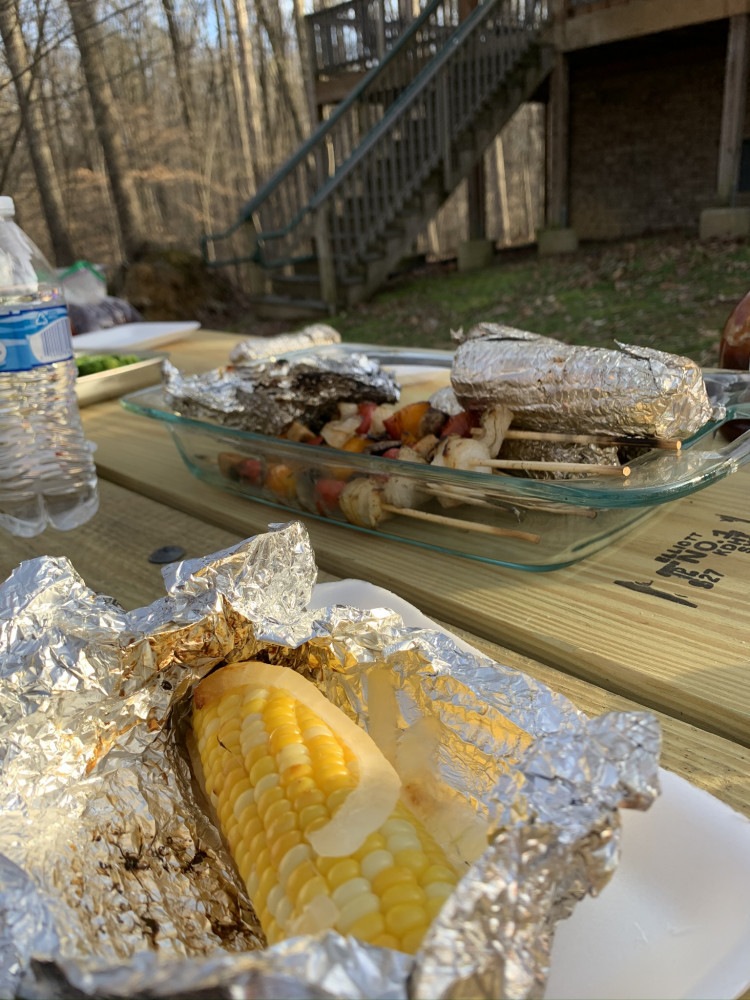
x=550, y=385
x=267, y=395
x=253, y=348
x=117, y=876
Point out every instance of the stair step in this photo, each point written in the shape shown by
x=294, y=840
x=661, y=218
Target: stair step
x=296, y=286
x=308, y=265
x=283, y=307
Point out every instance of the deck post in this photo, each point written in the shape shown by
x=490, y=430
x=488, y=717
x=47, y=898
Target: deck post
x=381, y=30
x=324, y=253
x=733, y=110
x=557, y=236
x=727, y=219
x=558, y=148
x=476, y=194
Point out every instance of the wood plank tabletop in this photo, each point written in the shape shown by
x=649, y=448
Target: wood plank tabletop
x=111, y=551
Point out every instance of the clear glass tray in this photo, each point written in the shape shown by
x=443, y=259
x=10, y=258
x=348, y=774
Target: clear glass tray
x=501, y=519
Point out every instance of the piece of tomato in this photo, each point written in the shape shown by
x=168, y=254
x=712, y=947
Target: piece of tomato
x=391, y=453
x=250, y=470
x=461, y=424
x=229, y=463
x=366, y=411
x=326, y=493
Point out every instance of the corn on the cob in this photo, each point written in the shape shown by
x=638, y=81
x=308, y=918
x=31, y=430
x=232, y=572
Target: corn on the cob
x=309, y=808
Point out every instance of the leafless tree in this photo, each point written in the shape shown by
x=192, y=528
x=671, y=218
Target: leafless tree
x=109, y=128
x=24, y=77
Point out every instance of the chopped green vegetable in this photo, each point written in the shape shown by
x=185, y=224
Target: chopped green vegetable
x=90, y=364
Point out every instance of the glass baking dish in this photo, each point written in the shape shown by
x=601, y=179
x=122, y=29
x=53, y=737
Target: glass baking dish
x=500, y=519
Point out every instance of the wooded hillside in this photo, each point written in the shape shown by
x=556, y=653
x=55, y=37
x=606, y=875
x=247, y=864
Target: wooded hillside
x=126, y=123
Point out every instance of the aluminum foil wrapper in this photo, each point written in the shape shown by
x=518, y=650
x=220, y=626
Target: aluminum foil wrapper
x=315, y=335
x=114, y=883
x=552, y=451
x=266, y=396
x=550, y=385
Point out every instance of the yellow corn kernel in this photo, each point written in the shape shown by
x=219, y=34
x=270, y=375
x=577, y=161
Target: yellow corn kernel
x=412, y=940
x=368, y=927
x=402, y=892
x=301, y=874
x=436, y=873
x=375, y=862
x=340, y=871
x=285, y=823
x=386, y=941
x=414, y=859
x=398, y=875
x=362, y=905
x=351, y=889
x=337, y=798
x=405, y=917
x=283, y=844
x=316, y=886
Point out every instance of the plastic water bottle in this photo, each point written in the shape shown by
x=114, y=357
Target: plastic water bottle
x=47, y=474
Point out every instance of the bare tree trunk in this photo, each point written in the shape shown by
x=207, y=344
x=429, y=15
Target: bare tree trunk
x=308, y=78
x=250, y=104
x=33, y=126
x=280, y=58
x=183, y=78
x=108, y=125
x=264, y=97
x=234, y=76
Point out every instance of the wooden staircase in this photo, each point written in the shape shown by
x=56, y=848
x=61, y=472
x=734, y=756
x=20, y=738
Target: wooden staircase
x=330, y=227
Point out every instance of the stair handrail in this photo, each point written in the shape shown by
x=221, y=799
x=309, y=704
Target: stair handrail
x=539, y=20
x=313, y=142
x=417, y=85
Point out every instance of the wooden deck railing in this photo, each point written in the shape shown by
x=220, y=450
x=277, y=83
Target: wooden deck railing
x=283, y=221
x=369, y=191
x=353, y=35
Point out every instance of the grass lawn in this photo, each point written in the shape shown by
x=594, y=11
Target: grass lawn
x=669, y=292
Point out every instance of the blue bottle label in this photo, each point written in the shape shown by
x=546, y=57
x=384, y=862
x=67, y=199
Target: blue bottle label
x=30, y=338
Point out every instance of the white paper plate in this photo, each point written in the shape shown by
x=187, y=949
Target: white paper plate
x=144, y=336
x=674, y=921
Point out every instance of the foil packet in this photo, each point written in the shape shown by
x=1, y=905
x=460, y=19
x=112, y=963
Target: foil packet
x=113, y=881
x=315, y=335
x=267, y=395
x=550, y=385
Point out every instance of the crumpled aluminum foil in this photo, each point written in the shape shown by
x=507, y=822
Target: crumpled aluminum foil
x=266, y=396
x=114, y=883
x=315, y=335
x=552, y=451
x=550, y=385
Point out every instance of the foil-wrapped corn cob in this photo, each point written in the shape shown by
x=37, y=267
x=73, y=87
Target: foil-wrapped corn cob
x=548, y=384
x=310, y=810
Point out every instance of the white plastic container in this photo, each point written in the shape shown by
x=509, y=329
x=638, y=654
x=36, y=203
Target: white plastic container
x=47, y=474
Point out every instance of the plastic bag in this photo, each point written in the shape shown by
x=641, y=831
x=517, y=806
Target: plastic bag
x=89, y=306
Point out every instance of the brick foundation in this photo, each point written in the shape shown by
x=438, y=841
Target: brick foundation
x=644, y=132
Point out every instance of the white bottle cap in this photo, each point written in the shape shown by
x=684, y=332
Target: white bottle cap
x=7, y=206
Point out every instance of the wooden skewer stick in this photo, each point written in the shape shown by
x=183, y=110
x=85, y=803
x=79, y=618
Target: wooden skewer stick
x=586, y=468
x=507, y=500
x=669, y=444
x=457, y=522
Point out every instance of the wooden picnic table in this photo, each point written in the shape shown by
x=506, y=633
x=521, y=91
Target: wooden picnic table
x=608, y=632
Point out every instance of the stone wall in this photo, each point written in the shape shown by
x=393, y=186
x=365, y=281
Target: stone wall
x=644, y=132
